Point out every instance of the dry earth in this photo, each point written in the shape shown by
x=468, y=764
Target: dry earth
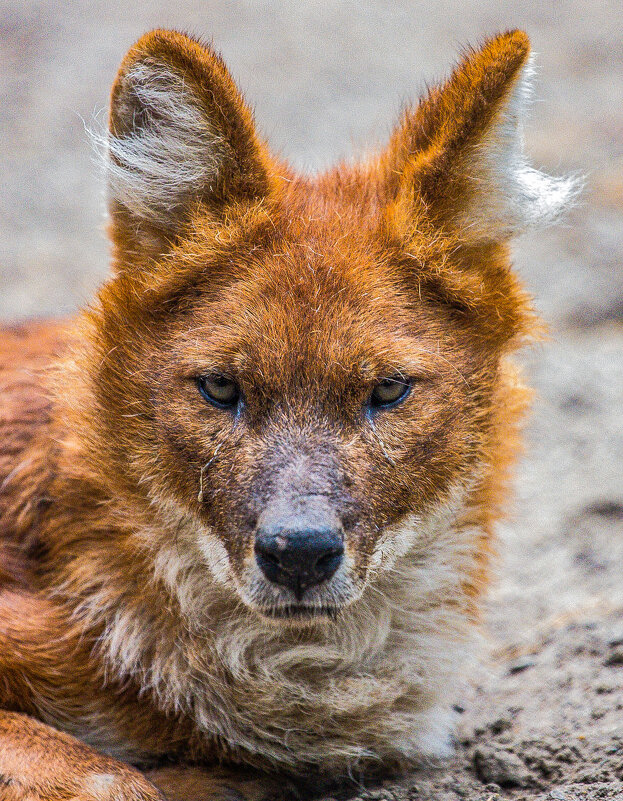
x=543, y=716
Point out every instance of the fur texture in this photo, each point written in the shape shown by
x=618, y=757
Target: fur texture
x=134, y=614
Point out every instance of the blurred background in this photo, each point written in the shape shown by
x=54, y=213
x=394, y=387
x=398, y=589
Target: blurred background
x=327, y=78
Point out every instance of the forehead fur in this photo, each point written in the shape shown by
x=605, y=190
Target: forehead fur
x=322, y=282
x=315, y=277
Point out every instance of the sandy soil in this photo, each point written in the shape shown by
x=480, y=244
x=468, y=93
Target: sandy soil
x=542, y=717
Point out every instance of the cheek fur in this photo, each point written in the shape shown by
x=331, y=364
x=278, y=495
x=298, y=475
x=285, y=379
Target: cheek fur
x=216, y=557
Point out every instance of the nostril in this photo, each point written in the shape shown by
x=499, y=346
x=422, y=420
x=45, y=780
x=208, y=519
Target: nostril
x=269, y=557
x=327, y=560
x=267, y=550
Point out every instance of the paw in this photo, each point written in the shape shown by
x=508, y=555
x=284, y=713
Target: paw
x=39, y=763
x=122, y=785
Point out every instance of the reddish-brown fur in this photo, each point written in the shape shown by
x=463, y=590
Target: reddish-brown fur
x=307, y=291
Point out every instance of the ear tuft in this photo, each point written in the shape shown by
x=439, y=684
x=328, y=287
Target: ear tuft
x=509, y=195
x=180, y=134
x=162, y=150
x=460, y=153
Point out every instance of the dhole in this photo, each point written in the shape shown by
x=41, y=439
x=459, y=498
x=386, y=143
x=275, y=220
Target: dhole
x=247, y=497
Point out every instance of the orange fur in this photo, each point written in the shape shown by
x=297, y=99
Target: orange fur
x=133, y=614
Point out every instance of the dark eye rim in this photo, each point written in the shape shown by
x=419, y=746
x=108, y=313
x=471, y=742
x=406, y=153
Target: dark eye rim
x=227, y=405
x=407, y=383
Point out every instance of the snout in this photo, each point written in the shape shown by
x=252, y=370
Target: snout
x=299, y=558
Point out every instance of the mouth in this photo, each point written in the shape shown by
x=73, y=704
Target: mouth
x=301, y=613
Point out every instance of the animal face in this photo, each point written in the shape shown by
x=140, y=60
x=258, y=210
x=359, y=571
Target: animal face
x=309, y=407
x=307, y=368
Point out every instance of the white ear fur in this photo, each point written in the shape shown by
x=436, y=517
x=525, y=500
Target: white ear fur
x=509, y=196
x=169, y=154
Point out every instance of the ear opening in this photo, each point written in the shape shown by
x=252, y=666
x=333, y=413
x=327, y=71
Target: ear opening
x=162, y=150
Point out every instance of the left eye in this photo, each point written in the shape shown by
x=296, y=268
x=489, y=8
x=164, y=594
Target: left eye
x=219, y=390
x=389, y=392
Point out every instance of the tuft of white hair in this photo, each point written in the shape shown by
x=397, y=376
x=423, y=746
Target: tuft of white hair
x=171, y=151
x=510, y=196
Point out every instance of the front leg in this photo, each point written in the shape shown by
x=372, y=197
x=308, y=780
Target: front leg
x=39, y=656
x=45, y=668
x=222, y=784
x=39, y=763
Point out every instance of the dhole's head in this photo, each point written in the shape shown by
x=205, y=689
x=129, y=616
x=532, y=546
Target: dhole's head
x=303, y=371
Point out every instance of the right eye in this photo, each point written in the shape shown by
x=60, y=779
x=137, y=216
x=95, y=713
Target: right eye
x=389, y=392
x=219, y=390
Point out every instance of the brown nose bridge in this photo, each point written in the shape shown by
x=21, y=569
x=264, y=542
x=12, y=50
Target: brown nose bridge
x=291, y=511
x=304, y=492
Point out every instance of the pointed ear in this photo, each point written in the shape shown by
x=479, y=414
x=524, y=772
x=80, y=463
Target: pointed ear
x=459, y=154
x=180, y=134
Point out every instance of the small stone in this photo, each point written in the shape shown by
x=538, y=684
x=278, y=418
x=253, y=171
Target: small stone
x=615, y=658
x=519, y=665
x=501, y=767
x=501, y=724
x=604, y=687
x=557, y=795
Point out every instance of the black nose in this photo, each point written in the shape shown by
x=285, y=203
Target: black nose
x=299, y=559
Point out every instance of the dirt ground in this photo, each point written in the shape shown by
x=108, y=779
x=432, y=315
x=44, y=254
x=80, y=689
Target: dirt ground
x=542, y=716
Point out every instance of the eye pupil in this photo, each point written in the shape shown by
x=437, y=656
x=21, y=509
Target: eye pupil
x=219, y=390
